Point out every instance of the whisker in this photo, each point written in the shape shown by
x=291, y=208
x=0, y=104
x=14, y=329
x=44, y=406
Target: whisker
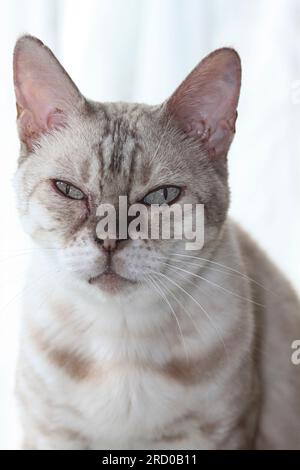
x=29, y=250
x=190, y=263
x=12, y=254
x=229, y=268
x=172, y=311
x=183, y=308
x=24, y=289
x=199, y=304
x=213, y=284
x=258, y=348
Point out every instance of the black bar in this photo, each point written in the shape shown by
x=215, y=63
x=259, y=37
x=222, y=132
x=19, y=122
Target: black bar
x=135, y=459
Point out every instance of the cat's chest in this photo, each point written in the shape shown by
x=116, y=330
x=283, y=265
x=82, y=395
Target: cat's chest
x=126, y=401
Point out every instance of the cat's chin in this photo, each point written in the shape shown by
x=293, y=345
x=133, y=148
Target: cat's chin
x=112, y=283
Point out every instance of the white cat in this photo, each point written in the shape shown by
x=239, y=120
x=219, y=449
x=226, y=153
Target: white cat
x=139, y=343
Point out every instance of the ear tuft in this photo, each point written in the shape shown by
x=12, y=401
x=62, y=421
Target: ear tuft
x=205, y=104
x=45, y=93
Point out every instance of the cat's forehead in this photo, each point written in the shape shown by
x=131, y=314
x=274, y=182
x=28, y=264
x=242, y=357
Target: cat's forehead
x=121, y=143
x=115, y=144
x=111, y=149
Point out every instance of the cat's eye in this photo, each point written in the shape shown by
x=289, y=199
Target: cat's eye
x=69, y=190
x=164, y=195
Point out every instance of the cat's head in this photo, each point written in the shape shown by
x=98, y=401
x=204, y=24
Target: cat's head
x=77, y=154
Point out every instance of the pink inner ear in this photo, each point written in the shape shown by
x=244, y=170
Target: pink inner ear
x=204, y=105
x=36, y=116
x=32, y=125
x=45, y=93
x=35, y=96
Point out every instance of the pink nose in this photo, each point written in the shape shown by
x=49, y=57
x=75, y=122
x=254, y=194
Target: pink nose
x=109, y=245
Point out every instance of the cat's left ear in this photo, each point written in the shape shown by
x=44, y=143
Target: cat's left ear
x=45, y=93
x=205, y=104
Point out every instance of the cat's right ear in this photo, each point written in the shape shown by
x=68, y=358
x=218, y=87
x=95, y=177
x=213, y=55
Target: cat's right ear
x=45, y=94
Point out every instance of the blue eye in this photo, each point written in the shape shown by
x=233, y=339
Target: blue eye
x=164, y=195
x=69, y=190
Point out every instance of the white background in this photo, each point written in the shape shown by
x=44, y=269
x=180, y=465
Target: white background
x=140, y=50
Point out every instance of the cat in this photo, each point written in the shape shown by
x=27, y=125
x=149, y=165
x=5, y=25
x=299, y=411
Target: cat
x=141, y=344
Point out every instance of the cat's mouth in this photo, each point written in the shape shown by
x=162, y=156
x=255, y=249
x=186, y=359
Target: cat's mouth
x=110, y=281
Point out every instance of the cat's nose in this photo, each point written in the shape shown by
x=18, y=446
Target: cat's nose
x=108, y=244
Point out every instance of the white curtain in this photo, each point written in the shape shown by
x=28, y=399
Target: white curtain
x=140, y=50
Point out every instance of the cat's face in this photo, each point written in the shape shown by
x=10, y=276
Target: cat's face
x=77, y=154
